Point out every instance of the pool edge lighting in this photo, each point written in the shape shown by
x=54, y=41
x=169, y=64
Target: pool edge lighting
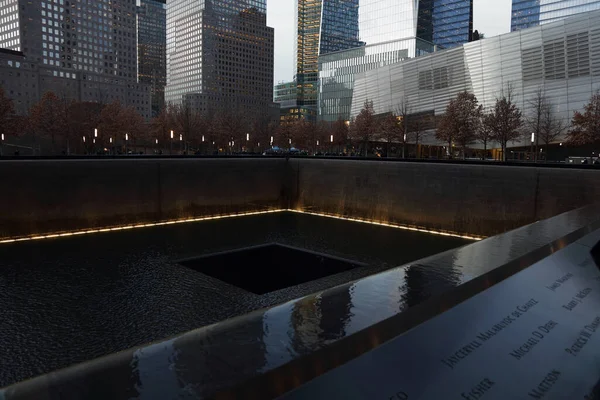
x=54, y=235
x=388, y=225
x=136, y=226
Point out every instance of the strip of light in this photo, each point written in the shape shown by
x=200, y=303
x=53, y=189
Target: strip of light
x=138, y=226
x=244, y=214
x=404, y=227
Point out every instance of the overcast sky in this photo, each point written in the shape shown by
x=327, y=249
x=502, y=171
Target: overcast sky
x=492, y=17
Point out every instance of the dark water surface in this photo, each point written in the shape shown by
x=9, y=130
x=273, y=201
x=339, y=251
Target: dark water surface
x=68, y=300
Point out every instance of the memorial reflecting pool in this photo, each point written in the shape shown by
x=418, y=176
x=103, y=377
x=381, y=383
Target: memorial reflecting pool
x=68, y=300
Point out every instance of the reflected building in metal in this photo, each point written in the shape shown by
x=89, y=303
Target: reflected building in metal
x=219, y=55
x=360, y=35
x=530, y=13
x=560, y=58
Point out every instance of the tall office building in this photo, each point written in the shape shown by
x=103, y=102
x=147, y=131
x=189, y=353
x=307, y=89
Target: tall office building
x=344, y=37
x=529, y=13
x=152, y=49
x=219, y=54
x=84, y=50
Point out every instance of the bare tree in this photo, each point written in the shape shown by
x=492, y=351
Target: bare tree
x=484, y=135
x=403, y=112
x=552, y=127
x=390, y=131
x=533, y=121
x=363, y=128
x=460, y=123
x=586, y=126
x=161, y=125
x=230, y=127
x=418, y=126
x=504, y=120
x=185, y=121
x=340, y=132
x=83, y=119
x=48, y=118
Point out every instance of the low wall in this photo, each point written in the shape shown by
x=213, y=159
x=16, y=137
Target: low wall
x=56, y=195
x=475, y=199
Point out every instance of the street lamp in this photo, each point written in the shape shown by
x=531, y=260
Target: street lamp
x=271, y=141
x=1, y=142
x=247, y=137
x=96, y=132
x=171, y=150
x=533, y=155
x=84, y=139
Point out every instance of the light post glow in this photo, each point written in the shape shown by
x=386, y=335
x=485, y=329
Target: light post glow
x=271, y=140
x=110, y=140
x=94, y=141
x=156, y=141
x=2, y=137
x=317, y=142
x=202, y=138
x=126, y=137
x=172, y=134
x=247, y=137
x=96, y=132
x=331, y=138
x=561, y=144
x=290, y=140
x=405, y=137
x=180, y=137
x=532, y=137
x=84, y=139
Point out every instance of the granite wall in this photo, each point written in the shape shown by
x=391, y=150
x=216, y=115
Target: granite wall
x=50, y=196
x=475, y=199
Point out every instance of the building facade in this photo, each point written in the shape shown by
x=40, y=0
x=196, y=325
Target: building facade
x=220, y=54
x=152, y=49
x=328, y=28
x=338, y=71
x=561, y=58
x=90, y=45
x=530, y=13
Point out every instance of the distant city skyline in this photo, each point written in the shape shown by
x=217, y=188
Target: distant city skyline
x=492, y=17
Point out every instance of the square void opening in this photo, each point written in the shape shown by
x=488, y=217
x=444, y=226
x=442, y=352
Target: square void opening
x=271, y=267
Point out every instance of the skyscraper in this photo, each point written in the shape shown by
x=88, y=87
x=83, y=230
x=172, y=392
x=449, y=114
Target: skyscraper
x=152, y=49
x=219, y=54
x=529, y=13
x=91, y=44
x=373, y=32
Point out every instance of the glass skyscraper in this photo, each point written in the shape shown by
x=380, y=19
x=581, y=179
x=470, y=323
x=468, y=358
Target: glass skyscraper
x=219, y=54
x=529, y=13
x=152, y=49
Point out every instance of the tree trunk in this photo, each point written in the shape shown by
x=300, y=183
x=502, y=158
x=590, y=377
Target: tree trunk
x=484, y=150
x=503, y=152
x=450, y=149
